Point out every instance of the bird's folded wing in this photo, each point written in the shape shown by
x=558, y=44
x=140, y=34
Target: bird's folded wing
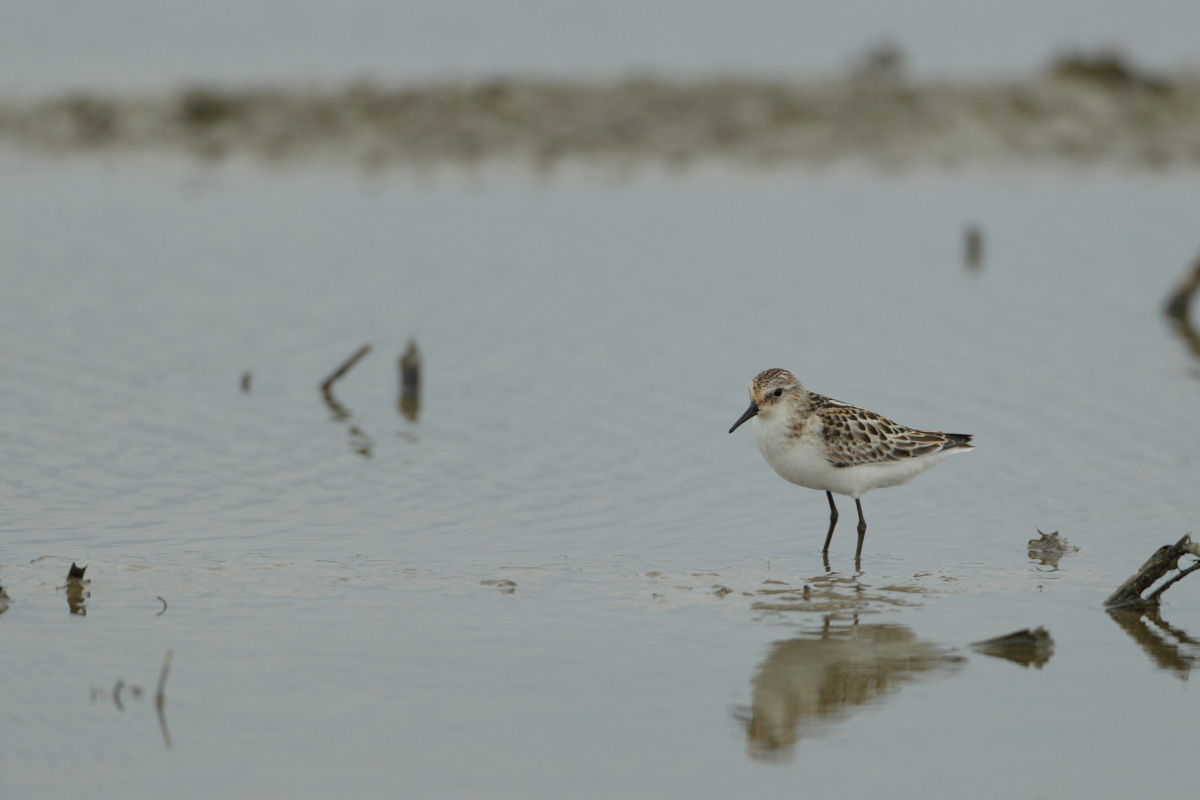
x=855, y=436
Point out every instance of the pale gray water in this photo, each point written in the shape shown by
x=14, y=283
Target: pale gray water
x=55, y=44
x=587, y=343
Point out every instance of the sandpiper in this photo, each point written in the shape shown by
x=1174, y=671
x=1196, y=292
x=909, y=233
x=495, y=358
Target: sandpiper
x=825, y=444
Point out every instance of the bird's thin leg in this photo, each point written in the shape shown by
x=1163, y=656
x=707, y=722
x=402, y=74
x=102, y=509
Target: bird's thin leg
x=832, y=521
x=862, y=530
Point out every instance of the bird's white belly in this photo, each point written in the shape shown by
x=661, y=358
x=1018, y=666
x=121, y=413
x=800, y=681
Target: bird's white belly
x=802, y=462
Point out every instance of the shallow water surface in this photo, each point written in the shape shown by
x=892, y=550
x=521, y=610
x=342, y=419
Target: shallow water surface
x=564, y=578
x=150, y=42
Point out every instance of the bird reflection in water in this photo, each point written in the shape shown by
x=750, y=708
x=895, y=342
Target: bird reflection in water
x=810, y=682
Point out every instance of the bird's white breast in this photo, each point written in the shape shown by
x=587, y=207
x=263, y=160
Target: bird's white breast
x=801, y=460
x=798, y=459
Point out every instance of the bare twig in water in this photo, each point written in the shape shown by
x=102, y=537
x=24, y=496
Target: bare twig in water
x=360, y=442
x=1165, y=559
x=164, y=608
x=410, y=382
x=336, y=375
x=116, y=694
x=1183, y=573
x=160, y=698
x=973, y=248
x=1178, y=306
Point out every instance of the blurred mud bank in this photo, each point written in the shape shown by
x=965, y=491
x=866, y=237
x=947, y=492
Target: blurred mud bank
x=1079, y=114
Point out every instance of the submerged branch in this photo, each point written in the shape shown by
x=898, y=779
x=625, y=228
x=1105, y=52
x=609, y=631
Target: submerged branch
x=1165, y=559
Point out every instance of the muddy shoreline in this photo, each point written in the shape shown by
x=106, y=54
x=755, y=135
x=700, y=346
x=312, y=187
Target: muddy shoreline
x=1064, y=117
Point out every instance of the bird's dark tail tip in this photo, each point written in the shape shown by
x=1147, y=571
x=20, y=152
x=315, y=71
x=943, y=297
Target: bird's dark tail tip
x=955, y=441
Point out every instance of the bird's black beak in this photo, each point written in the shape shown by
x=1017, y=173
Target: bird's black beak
x=750, y=412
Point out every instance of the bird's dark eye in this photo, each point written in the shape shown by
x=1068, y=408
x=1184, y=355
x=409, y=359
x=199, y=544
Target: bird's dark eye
x=778, y=392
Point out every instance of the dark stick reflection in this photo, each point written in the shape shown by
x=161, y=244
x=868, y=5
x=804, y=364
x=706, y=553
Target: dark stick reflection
x=1170, y=648
x=160, y=698
x=136, y=692
x=1178, y=307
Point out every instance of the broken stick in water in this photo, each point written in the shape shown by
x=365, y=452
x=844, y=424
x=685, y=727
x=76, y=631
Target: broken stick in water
x=327, y=384
x=1165, y=559
x=410, y=382
x=360, y=442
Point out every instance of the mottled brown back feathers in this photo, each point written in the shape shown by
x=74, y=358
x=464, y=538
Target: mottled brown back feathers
x=855, y=436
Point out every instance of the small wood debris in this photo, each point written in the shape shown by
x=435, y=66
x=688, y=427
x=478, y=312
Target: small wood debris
x=409, y=365
x=1025, y=647
x=1049, y=548
x=77, y=594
